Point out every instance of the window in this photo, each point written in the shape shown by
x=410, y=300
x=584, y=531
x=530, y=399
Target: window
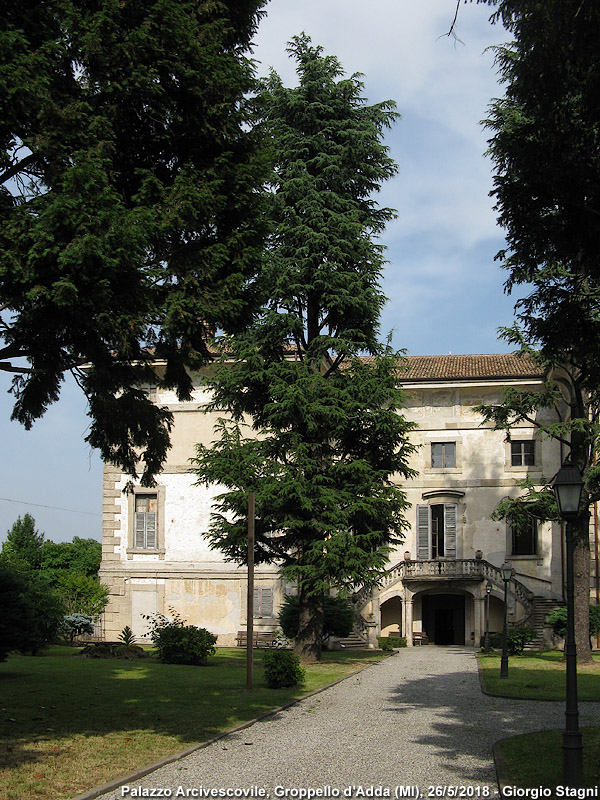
x=146, y=508
x=524, y=538
x=443, y=454
x=436, y=531
x=522, y=453
x=263, y=601
x=146, y=522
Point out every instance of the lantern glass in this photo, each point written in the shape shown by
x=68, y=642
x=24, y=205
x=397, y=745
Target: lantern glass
x=567, y=488
x=506, y=570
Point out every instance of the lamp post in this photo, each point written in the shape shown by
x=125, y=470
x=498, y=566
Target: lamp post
x=568, y=486
x=507, y=572
x=488, y=591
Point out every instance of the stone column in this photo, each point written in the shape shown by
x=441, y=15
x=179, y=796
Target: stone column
x=408, y=605
x=479, y=618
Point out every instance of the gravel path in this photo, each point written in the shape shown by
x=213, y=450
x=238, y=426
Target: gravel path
x=417, y=719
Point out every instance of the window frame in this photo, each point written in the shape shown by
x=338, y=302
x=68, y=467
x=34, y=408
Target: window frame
x=522, y=455
x=443, y=445
x=132, y=549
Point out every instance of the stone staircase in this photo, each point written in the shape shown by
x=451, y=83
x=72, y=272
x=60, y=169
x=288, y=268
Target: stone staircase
x=541, y=608
x=353, y=642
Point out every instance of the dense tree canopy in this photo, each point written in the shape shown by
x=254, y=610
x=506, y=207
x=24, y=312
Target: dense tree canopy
x=328, y=433
x=545, y=147
x=23, y=545
x=129, y=205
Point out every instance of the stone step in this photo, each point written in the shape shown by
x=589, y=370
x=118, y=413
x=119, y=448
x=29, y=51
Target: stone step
x=353, y=642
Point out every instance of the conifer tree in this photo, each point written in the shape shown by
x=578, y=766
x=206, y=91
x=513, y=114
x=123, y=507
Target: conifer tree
x=130, y=210
x=546, y=151
x=315, y=427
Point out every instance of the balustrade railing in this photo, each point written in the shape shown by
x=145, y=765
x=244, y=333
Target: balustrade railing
x=466, y=568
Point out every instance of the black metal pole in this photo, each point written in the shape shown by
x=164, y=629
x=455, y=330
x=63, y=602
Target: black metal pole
x=572, y=745
x=504, y=659
x=486, y=648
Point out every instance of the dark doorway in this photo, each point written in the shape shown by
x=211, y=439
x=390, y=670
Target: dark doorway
x=444, y=618
x=444, y=626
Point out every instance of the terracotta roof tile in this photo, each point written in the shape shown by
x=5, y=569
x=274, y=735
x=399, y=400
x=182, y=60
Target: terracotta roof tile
x=450, y=367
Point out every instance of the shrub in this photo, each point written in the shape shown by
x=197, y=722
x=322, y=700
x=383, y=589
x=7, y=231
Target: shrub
x=178, y=643
x=126, y=636
x=282, y=668
x=389, y=643
x=75, y=625
x=516, y=639
x=337, y=617
x=557, y=618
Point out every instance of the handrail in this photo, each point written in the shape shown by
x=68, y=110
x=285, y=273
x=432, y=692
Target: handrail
x=471, y=568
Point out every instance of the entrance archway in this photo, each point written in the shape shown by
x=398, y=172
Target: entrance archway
x=443, y=618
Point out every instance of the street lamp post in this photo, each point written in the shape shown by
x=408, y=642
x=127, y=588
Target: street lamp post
x=488, y=590
x=506, y=571
x=568, y=486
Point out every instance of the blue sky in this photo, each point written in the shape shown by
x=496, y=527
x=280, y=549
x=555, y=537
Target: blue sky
x=445, y=290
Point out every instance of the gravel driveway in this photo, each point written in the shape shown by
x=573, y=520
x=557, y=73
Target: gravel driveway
x=416, y=719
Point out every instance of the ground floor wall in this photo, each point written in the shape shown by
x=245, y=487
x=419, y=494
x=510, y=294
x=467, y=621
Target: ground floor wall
x=215, y=602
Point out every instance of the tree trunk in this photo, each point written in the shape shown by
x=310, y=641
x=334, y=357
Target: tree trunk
x=310, y=627
x=581, y=575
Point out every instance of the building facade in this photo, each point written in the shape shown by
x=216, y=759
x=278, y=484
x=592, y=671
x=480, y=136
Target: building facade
x=442, y=585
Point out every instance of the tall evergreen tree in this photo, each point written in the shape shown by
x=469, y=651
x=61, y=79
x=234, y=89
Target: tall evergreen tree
x=24, y=544
x=328, y=439
x=546, y=151
x=130, y=219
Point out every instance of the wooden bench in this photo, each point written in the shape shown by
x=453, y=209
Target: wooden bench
x=259, y=639
x=420, y=638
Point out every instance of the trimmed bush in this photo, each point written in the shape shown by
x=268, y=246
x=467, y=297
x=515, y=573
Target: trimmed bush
x=282, y=668
x=389, y=643
x=185, y=645
x=516, y=639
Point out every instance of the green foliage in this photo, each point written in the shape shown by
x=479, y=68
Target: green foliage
x=282, y=668
x=337, y=619
x=178, y=643
x=516, y=639
x=31, y=611
x=80, y=555
x=389, y=643
x=332, y=440
x=130, y=210
x=82, y=594
x=17, y=618
x=557, y=618
x=126, y=636
x=24, y=545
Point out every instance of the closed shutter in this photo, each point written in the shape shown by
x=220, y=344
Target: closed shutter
x=263, y=601
x=450, y=523
x=140, y=529
x=151, y=530
x=423, y=530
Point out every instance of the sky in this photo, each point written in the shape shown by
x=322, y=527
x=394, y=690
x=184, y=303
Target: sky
x=445, y=291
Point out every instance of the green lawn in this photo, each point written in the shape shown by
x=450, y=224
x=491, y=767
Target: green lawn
x=68, y=724
x=535, y=759
x=539, y=676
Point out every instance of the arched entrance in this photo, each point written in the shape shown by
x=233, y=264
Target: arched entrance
x=443, y=618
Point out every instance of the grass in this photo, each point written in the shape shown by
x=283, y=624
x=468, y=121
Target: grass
x=68, y=724
x=535, y=759
x=539, y=676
